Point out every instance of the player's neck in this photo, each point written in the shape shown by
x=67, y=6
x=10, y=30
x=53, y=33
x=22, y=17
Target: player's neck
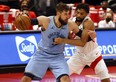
x=78, y=23
x=57, y=23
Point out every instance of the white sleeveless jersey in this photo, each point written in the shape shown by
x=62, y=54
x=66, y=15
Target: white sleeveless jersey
x=88, y=55
x=89, y=48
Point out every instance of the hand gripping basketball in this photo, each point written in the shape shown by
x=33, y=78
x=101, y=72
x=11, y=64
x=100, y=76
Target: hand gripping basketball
x=22, y=22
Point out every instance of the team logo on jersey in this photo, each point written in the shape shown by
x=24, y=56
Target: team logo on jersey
x=25, y=47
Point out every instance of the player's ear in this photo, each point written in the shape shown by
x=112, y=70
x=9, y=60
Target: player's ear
x=58, y=13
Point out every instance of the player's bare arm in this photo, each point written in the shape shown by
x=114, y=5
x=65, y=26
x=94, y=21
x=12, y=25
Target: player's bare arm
x=43, y=21
x=73, y=29
x=88, y=25
x=92, y=34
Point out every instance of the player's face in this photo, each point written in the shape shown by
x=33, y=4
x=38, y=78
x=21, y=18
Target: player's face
x=63, y=18
x=24, y=5
x=81, y=14
x=104, y=5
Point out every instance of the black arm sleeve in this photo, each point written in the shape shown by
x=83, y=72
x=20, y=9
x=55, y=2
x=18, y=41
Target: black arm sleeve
x=89, y=39
x=80, y=33
x=34, y=21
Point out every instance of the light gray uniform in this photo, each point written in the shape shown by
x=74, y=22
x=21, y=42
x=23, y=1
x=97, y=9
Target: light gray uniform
x=49, y=55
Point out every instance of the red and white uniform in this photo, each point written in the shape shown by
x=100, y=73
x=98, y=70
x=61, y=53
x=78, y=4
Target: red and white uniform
x=89, y=55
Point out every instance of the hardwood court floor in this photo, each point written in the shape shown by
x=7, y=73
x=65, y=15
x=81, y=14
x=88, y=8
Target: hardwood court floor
x=87, y=75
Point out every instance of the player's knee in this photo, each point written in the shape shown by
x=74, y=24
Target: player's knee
x=63, y=78
x=25, y=79
x=104, y=76
x=32, y=76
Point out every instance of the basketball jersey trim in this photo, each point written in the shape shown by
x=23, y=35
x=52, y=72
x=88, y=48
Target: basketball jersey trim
x=94, y=63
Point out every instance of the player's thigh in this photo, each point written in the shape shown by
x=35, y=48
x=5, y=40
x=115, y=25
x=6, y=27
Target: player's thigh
x=37, y=67
x=101, y=66
x=75, y=64
x=101, y=70
x=59, y=66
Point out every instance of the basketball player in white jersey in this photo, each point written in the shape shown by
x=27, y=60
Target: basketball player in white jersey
x=87, y=52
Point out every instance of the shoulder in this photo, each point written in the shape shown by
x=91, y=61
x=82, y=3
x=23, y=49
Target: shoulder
x=72, y=23
x=72, y=26
x=88, y=24
x=43, y=19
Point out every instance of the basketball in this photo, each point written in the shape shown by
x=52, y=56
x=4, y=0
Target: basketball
x=22, y=22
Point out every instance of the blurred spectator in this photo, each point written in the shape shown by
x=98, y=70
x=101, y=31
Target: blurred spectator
x=107, y=22
x=43, y=7
x=112, y=4
x=11, y=3
x=105, y=6
x=6, y=18
x=72, y=11
x=25, y=9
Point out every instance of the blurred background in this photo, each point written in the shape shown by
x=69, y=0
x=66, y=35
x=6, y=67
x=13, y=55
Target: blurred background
x=9, y=9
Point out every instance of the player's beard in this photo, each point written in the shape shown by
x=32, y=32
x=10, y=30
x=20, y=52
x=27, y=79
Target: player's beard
x=62, y=21
x=79, y=19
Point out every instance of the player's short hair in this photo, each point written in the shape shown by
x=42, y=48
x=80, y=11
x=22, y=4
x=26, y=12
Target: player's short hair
x=62, y=7
x=83, y=6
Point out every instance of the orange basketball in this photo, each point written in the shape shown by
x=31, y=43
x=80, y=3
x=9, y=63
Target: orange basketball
x=22, y=22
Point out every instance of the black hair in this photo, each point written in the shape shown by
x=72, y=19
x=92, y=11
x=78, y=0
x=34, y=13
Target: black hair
x=83, y=6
